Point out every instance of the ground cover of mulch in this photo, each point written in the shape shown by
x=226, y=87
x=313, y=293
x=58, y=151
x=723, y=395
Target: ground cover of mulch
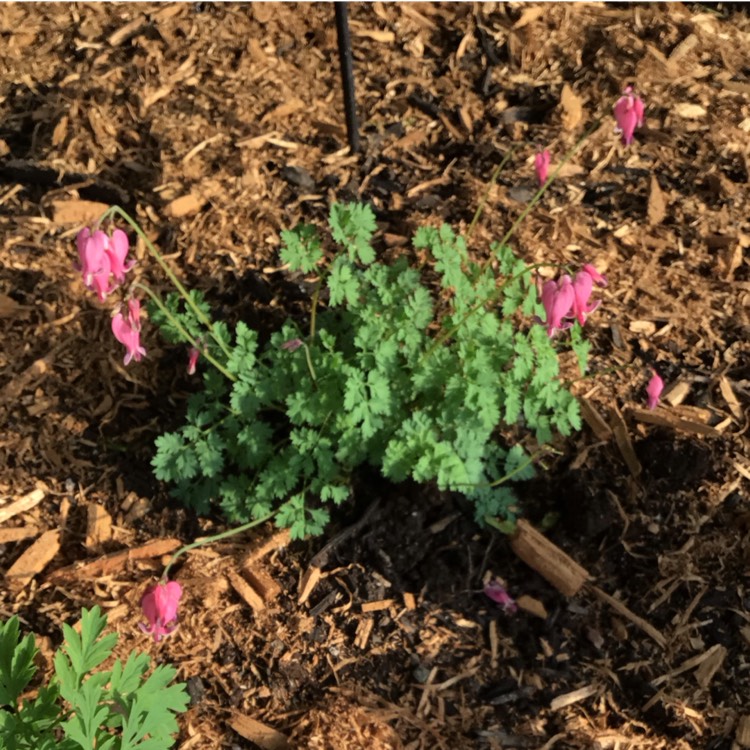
x=218, y=126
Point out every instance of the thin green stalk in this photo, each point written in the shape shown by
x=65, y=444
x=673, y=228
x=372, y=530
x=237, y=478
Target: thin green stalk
x=214, y=538
x=183, y=332
x=170, y=274
x=440, y=338
x=310, y=365
x=486, y=195
x=445, y=335
x=597, y=373
x=543, y=189
x=530, y=460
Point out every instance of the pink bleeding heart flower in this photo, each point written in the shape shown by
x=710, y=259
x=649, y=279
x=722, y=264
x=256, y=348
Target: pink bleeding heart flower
x=99, y=282
x=159, y=605
x=193, y=355
x=117, y=250
x=557, y=299
x=582, y=288
x=598, y=278
x=541, y=165
x=497, y=592
x=653, y=390
x=629, y=114
x=127, y=330
x=91, y=254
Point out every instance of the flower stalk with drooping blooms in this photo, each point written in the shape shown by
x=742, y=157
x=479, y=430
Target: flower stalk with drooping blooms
x=127, y=330
x=541, y=166
x=159, y=605
x=629, y=114
x=654, y=389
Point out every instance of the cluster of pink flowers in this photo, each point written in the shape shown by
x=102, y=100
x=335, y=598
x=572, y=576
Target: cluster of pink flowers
x=568, y=299
x=159, y=605
x=103, y=260
x=103, y=264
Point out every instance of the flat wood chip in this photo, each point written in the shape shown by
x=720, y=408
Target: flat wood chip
x=23, y=504
x=17, y=533
x=33, y=560
x=116, y=561
x=98, y=526
x=261, y=734
x=547, y=559
x=246, y=591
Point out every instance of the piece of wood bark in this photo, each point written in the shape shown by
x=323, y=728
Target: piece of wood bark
x=33, y=560
x=17, y=533
x=23, y=504
x=98, y=526
x=261, y=734
x=246, y=591
x=116, y=561
x=547, y=559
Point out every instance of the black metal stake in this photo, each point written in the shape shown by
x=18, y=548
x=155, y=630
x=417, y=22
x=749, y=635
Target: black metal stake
x=347, y=75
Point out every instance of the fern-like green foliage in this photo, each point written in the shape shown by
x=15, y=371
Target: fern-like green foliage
x=80, y=709
x=392, y=376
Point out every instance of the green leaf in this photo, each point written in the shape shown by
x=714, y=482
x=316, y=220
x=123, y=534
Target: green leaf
x=243, y=358
x=352, y=225
x=301, y=249
x=210, y=453
x=518, y=464
x=89, y=649
x=16, y=662
x=342, y=283
x=175, y=459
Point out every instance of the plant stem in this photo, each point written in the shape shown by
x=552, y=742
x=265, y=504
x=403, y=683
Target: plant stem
x=310, y=365
x=486, y=195
x=170, y=274
x=605, y=371
x=543, y=189
x=183, y=332
x=214, y=538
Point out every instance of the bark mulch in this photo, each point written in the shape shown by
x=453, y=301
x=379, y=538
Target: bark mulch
x=218, y=126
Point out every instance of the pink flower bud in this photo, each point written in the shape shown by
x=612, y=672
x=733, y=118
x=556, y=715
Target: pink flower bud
x=292, y=345
x=582, y=288
x=629, y=114
x=541, y=165
x=557, y=298
x=159, y=605
x=497, y=592
x=598, y=278
x=653, y=390
x=193, y=355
